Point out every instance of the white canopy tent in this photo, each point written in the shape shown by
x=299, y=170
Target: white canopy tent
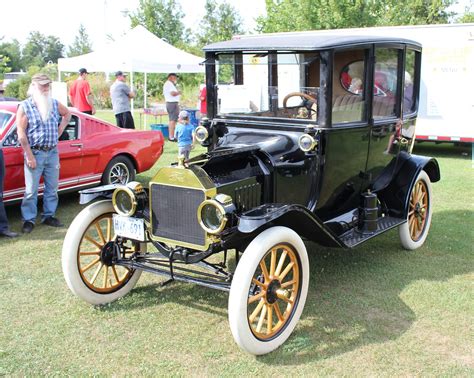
x=138, y=51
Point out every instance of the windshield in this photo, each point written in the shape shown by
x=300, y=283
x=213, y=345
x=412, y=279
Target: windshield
x=274, y=85
x=4, y=120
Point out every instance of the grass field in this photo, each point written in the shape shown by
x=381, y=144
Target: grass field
x=377, y=310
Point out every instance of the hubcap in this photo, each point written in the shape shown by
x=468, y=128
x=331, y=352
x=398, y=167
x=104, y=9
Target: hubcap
x=108, y=252
x=95, y=257
x=119, y=174
x=417, y=213
x=274, y=292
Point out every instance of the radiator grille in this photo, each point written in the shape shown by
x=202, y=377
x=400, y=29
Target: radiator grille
x=174, y=213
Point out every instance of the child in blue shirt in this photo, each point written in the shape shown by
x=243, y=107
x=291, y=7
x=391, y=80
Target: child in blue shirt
x=184, y=134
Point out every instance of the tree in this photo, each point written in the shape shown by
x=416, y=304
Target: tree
x=162, y=18
x=40, y=49
x=466, y=18
x=81, y=44
x=220, y=23
x=12, y=50
x=291, y=15
x=4, y=68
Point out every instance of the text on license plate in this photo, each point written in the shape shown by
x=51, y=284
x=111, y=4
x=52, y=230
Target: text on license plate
x=132, y=228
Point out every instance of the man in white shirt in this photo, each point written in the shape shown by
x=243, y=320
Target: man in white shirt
x=172, y=95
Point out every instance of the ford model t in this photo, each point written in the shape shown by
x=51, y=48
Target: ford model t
x=309, y=137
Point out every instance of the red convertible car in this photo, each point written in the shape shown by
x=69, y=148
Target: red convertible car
x=91, y=152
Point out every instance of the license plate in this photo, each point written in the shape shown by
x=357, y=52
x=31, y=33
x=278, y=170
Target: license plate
x=128, y=227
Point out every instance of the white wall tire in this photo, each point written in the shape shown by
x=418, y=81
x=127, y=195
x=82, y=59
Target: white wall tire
x=413, y=233
x=86, y=276
x=258, y=298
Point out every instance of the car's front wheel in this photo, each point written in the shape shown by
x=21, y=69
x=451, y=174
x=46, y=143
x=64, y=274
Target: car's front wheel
x=268, y=290
x=413, y=233
x=87, y=257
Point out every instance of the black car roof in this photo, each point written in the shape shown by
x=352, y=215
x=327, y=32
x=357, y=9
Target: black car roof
x=301, y=41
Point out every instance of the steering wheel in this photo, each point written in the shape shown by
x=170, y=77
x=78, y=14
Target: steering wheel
x=308, y=101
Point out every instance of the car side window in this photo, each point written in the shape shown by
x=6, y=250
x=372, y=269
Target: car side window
x=385, y=83
x=11, y=139
x=348, y=103
x=71, y=132
x=408, y=94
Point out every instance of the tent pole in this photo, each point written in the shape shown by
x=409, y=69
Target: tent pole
x=144, y=101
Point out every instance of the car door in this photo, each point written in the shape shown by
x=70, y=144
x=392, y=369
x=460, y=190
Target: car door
x=347, y=142
x=385, y=136
x=70, y=154
x=14, y=183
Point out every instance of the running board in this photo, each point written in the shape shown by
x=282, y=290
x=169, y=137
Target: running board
x=355, y=237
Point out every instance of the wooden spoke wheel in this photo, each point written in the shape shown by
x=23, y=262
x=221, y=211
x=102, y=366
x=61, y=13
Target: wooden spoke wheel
x=414, y=232
x=88, y=255
x=96, y=252
x=274, y=291
x=268, y=290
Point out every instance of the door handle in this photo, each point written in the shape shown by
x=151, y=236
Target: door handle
x=76, y=144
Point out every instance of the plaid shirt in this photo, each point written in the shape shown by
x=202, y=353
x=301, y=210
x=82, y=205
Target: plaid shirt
x=39, y=133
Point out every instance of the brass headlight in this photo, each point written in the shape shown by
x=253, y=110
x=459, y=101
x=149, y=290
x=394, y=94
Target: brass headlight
x=307, y=143
x=125, y=200
x=201, y=134
x=211, y=216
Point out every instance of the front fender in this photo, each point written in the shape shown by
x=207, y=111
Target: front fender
x=396, y=194
x=104, y=191
x=296, y=217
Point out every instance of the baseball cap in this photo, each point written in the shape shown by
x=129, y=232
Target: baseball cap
x=120, y=73
x=183, y=114
x=83, y=71
x=41, y=78
x=172, y=74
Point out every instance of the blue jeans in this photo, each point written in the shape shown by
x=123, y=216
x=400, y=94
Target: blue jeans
x=47, y=165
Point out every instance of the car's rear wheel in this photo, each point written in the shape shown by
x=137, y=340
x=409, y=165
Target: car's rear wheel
x=268, y=290
x=120, y=170
x=87, y=257
x=413, y=233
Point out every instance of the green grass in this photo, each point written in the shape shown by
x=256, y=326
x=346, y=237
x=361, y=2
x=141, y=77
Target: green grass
x=377, y=310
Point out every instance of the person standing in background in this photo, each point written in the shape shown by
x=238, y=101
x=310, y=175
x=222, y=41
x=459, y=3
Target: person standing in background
x=80, y=94
x=121, y=94
x=40, y=121
x=172, y=97
x=184, y=134
x=203, y=99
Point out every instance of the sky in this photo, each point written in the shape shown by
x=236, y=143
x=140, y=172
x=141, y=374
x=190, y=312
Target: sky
x=62, y=18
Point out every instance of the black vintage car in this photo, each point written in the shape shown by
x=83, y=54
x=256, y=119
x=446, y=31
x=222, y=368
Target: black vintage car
x=309, y=137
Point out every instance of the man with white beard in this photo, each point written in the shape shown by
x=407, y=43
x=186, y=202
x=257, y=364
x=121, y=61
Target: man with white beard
x=39, y=125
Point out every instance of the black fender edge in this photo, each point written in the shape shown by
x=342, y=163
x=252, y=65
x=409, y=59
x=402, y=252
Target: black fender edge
x=296, y=217
x=396, y=194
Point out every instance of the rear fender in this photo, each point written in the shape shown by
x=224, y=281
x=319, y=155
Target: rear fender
x=396, y=194
x=296, y=217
